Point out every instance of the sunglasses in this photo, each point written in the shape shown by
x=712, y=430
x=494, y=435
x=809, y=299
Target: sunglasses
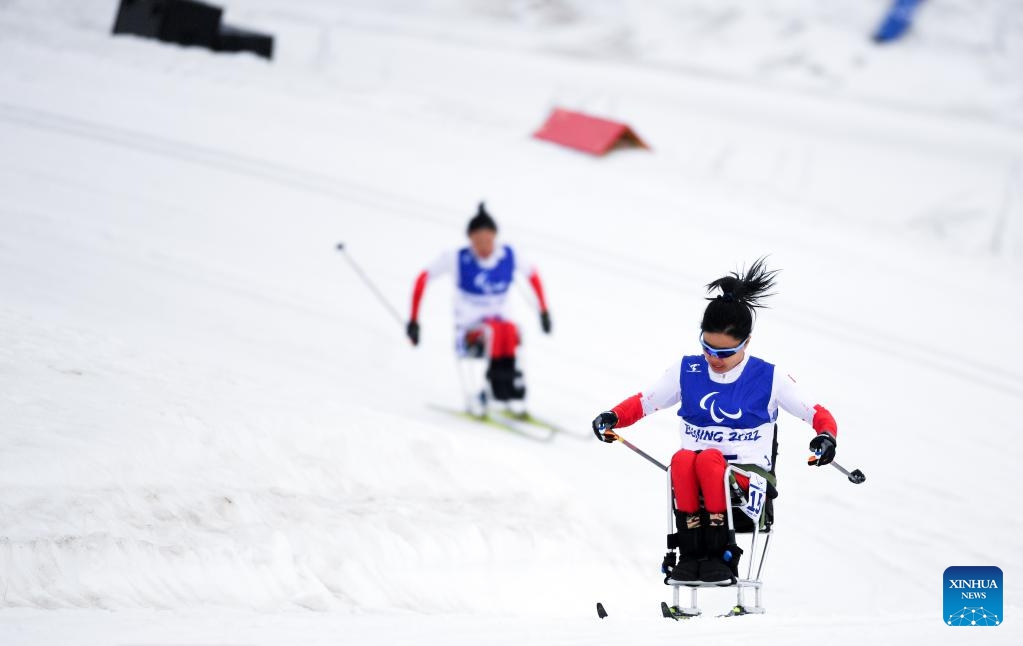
x=721, y=353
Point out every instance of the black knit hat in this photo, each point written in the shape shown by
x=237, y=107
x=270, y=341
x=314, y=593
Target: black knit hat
x=481, y=220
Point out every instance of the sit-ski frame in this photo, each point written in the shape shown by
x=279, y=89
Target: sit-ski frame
x=742, y=583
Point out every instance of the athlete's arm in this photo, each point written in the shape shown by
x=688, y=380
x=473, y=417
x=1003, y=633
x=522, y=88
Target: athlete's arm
x=663, y=393
x=534, y=281
x=444, y=264
x=529, y=271
x=793, y=400
x=525, y=268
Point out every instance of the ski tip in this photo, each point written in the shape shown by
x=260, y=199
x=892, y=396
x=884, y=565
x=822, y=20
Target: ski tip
x=600, y=610
x=675, y=613
x=667, y=612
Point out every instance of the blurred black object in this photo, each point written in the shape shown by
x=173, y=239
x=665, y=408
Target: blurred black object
x=233, y=39
x=187, y=22
x=184, y=22
x=191, y=23
x=140, y=17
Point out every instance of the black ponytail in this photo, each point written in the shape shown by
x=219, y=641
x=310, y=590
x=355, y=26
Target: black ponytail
x=732, y=311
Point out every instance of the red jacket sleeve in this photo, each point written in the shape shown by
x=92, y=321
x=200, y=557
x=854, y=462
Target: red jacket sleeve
x=824, y=422
x=629, y=411
x=417, y=294
x=534, y=280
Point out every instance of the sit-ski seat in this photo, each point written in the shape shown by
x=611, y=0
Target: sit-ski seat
x=739, y=523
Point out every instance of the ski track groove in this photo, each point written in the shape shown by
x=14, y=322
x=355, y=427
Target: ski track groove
x=887, y=344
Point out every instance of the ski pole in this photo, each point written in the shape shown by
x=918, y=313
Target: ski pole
x=369, y=283
x=638, y=450
x=855, y=477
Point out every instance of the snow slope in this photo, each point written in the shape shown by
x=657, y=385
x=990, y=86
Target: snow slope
x=212, y=432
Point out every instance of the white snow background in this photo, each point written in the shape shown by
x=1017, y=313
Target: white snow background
x=211, y=431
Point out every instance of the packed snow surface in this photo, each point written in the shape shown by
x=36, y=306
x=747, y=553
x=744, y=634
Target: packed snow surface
x=211, y=431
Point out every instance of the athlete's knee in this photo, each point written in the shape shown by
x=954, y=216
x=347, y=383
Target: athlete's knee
x=682, y=459
x=711, y=457
x=710, y=466
x=504, y=337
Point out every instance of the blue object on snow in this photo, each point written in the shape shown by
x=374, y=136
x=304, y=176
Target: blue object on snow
x=897, y=22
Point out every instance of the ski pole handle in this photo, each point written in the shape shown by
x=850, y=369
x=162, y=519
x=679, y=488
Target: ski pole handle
x=855, y=476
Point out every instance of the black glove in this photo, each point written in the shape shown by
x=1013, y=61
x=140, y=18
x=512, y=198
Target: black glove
x=602, y=425
x=412, y=330
x=545, y=321
x=823, y=446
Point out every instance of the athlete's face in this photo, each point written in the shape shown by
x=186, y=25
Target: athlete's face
x=723, y=341
x=482, y=242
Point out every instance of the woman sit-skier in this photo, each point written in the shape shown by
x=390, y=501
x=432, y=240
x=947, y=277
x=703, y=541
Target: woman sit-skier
x=729, y=404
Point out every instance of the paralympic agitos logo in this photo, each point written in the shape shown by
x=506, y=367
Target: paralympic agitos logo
x=714, y=410
x=973, y=596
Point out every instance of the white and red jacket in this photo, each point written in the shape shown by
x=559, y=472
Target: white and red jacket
x=482, y=285
x=733, y=412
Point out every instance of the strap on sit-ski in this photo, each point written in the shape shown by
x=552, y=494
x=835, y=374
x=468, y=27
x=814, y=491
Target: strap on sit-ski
x=756, y=468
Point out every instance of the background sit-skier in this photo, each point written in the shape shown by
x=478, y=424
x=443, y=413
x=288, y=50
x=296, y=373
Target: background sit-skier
x=483, y=272
x=729, y=402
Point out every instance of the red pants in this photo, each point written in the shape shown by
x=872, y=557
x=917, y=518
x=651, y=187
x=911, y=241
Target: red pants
x=503, y=335
x=693, y=473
